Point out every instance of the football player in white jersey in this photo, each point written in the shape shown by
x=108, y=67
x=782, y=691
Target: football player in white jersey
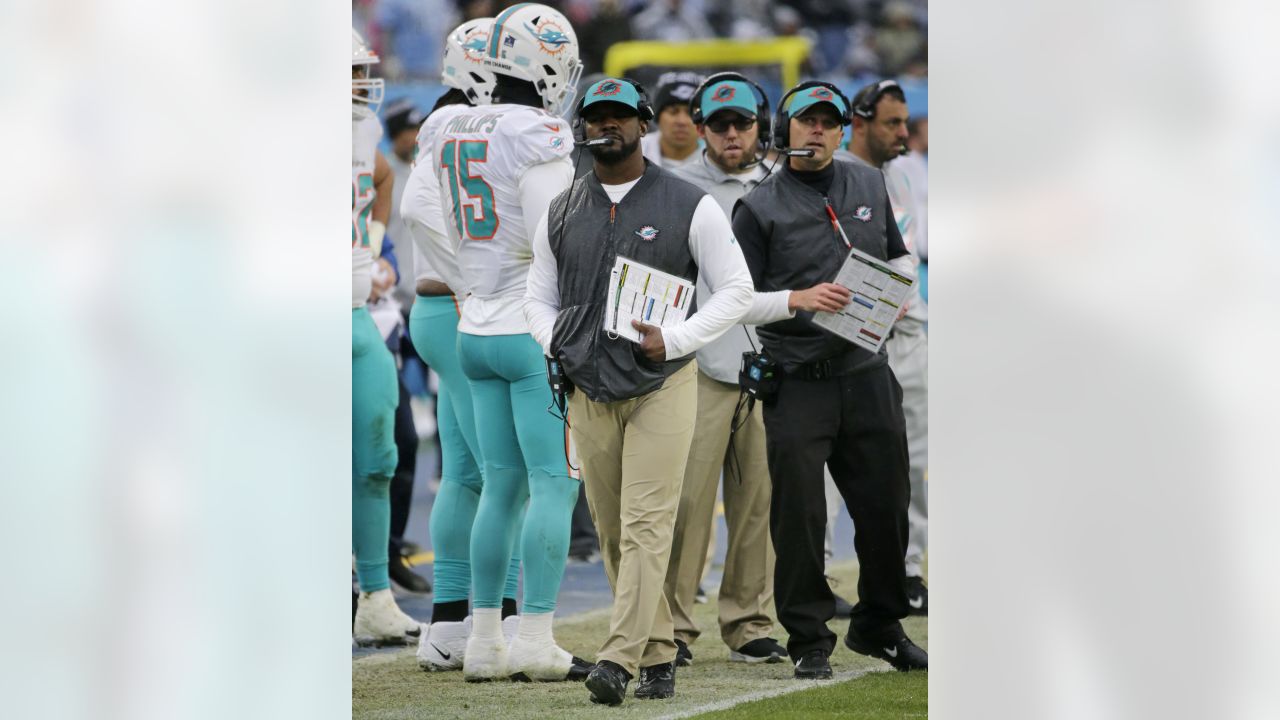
x=433, y=327
x=374, y=392
x=499, y=167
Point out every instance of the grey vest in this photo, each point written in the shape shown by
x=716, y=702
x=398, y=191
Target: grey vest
x=804, y=250
x=586, y=241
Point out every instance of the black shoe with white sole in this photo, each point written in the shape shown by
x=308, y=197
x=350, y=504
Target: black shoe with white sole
x=405, y=578
x=608, y=683
x=760, y=650
x=684, y=656
x=894, y=647
x=917, y=596
x=657, y=682
x=813, y=665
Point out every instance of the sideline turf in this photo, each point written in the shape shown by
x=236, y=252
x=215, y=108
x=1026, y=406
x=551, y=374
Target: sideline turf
x=872, y=696
x=390, y=685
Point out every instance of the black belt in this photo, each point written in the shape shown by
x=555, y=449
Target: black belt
x=829, y=368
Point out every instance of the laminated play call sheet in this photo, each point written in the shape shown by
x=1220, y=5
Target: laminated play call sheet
x=878, y=292
x=639, y=292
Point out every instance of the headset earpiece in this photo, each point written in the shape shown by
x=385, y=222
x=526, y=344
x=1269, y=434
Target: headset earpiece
x=868, y=97
x=645, y=109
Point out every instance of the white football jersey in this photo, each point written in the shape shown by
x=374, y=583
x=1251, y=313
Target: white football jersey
x=423, y=214
x=366, y=131
x=480, y=154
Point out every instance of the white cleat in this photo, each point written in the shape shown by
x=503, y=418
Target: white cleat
x=379, y=621
x=485, y=658
x=510, y=626
x=444, y=645
x=531, y=659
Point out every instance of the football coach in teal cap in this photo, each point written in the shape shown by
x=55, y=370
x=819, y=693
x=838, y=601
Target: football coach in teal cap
x=633, y=402
x=837, y=404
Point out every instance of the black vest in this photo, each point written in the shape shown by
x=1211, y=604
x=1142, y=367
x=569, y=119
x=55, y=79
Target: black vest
x=804, y=249
x=586, y=241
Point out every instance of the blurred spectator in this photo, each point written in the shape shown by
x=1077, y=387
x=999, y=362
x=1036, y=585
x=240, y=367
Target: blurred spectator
x=788, y=23
x=472, y=9
x=830, y=21
x=609, y=25
x=671, y=21
x=676, y=141
x=899, y=39
x=741, y=19
x=860, y=57
x=411, y=36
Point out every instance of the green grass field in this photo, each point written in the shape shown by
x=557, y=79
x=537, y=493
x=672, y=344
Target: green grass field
x=391, y=686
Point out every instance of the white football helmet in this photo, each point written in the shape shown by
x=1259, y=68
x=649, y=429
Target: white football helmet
x=533, y=42
x=464, y=51
x=366, y=92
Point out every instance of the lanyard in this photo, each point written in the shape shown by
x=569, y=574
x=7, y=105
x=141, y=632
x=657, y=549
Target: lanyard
x=835, y=223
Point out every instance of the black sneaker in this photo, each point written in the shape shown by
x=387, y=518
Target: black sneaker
x=760, y=650
x=813, y=665
x=917, y=596
x=608, y=683
x=580, y=669
x=684, y=656
x=700, y=596
x=894, y=648
x=407, y=579
x=657, y=682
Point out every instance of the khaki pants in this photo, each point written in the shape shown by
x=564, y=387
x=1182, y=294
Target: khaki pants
x=633, y=459
x=747, y=587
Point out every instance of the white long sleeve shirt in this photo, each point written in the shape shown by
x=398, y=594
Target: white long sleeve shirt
x=714, y=250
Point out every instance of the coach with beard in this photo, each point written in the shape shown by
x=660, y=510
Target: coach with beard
x=633, y=407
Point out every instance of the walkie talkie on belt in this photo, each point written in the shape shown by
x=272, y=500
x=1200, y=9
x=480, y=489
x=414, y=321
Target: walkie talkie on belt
x=560, y=385
x=758, y=376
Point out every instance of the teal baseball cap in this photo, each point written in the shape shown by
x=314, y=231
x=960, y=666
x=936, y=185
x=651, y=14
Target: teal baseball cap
x=612, y=90
x=728, y=95
x=818, y=94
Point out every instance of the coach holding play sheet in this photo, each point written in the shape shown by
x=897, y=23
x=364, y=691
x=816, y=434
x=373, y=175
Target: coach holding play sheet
x=837, y=404
x=633, y=409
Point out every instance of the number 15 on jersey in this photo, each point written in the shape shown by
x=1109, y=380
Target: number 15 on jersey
x=480, y=222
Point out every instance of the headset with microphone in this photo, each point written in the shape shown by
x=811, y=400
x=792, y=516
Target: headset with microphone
x=782, y=124
x=764, y=117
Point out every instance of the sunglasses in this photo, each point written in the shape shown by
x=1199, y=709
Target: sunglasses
x=721, y=125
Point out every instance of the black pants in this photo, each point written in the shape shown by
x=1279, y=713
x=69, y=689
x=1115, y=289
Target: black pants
x=406, y=465
x=853, y=424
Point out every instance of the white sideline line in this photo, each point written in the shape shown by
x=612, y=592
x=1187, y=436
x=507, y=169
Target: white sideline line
x=793, y=686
